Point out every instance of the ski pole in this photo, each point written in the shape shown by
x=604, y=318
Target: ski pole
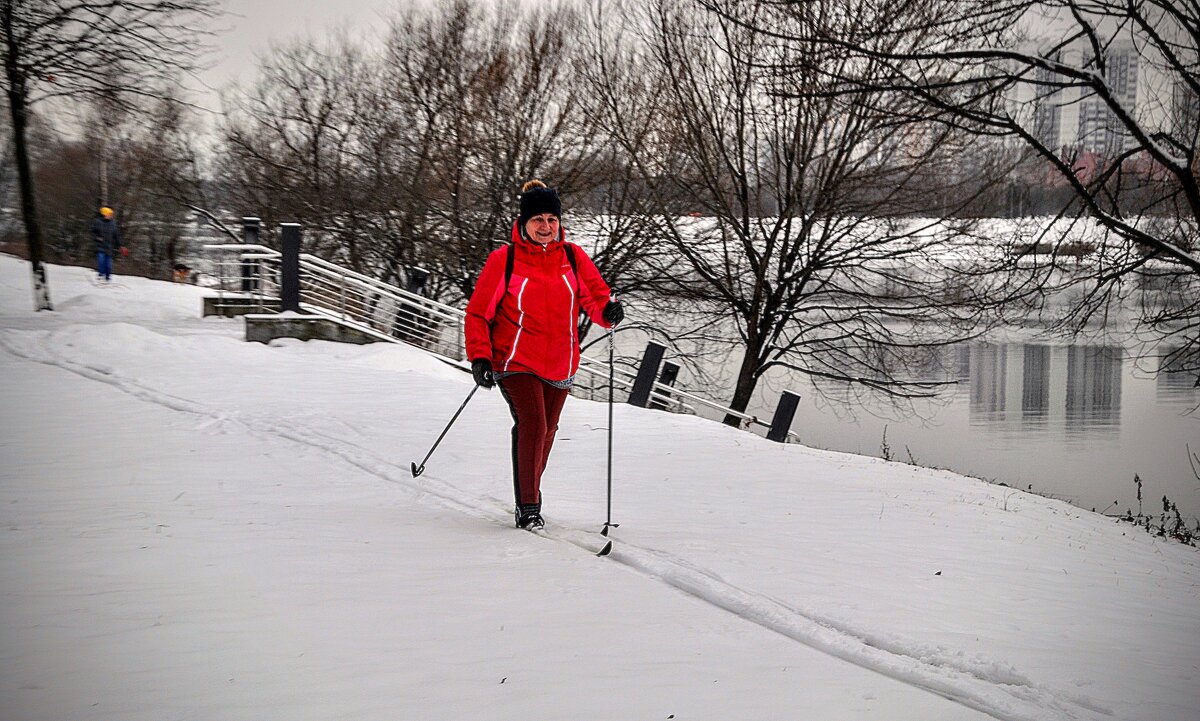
x=608, y=522
x=418, y=470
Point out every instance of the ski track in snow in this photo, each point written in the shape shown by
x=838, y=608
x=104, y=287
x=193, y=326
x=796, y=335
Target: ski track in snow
x=991, y=687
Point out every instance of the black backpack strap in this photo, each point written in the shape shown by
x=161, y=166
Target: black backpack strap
x=512, y=252
x=571, y=259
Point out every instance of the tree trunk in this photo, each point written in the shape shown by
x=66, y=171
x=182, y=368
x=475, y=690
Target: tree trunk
x=33, y=230
x=747, y=380
x=18, y=98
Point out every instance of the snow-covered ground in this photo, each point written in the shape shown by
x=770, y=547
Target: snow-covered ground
x=195, y=527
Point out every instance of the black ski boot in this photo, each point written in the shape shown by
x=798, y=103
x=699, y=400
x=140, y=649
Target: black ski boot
x=529, y=516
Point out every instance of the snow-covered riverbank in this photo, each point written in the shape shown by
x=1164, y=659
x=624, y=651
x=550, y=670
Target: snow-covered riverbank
x=198, y=527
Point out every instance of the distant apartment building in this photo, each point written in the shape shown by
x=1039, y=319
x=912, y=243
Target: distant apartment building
x=1048, y=101
x=1079, y=121
x=1098, y=130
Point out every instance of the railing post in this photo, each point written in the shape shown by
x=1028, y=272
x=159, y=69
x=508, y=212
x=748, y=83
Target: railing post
x=220, y=277
x=644, y=383
x=342, y=293
x=410, y=319
x=670, y=371
x=784, y=413
x=250, y=228
x=289, y=268
x=415, y=283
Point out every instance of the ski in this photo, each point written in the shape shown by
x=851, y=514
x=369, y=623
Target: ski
x=604, y=532
x=578, y=538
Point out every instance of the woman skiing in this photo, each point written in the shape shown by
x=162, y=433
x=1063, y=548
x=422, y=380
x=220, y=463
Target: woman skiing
x=522, y=332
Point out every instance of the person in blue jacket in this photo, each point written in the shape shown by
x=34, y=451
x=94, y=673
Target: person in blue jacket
x=108, y=241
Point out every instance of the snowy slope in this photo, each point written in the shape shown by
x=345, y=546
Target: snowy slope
x=198, y=527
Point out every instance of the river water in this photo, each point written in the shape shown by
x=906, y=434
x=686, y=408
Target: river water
x=1072, y=422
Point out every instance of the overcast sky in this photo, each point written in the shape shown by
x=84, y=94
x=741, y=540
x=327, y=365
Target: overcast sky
x=249, y=26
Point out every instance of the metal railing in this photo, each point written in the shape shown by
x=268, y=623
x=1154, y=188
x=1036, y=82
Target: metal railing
x=385, y=311
x=248, y=271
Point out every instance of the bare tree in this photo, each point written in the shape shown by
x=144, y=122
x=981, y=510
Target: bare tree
x=76, y=48
x=621, y=224
x=468, y=102
x=412, y=158
x=290, y=143
x=162, y=179
x=762, y=194
x=153, y=152
x=65, y=172
x=1010, y=70
x=496, y=103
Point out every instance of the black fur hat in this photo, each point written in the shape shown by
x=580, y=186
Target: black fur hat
x=536, y=199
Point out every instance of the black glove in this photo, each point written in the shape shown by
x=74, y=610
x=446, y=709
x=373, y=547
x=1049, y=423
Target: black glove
x=481, y=368
x=613, y=312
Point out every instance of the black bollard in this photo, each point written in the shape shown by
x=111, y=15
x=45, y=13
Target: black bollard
x=289, y=268
x=250, y=229
x=644, y=383
x=784, y=413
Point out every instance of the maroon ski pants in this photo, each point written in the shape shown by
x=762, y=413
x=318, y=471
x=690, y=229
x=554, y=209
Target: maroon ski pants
x=535, y=406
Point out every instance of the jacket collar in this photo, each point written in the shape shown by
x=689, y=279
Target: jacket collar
x=519, y=241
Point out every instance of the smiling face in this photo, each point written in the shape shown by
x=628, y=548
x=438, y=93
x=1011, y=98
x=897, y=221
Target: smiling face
x=542, y=228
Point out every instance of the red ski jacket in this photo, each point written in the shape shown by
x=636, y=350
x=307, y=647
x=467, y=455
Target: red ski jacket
x=532, y=325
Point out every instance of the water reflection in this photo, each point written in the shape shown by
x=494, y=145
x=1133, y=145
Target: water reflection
x=1036, y=384
x=988, y=373
x=1093, y=386
x=1073, y=422
x=1178, y=379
